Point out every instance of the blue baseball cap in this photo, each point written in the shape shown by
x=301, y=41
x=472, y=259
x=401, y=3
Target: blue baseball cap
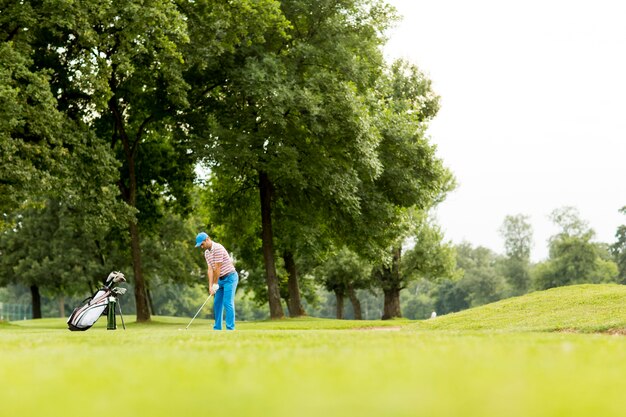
x=201, y=238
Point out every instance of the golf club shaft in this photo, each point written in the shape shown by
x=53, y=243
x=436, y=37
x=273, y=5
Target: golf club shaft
x=198, y=312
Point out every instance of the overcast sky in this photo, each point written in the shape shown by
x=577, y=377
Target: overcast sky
x=533, y=110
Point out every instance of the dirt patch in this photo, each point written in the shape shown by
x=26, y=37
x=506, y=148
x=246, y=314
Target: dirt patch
x=567, y=331
x=612, y=332
x=381, y=329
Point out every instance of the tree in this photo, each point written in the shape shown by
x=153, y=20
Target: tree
x=428, y=258
x=343, y=274
x=290, y=119
x=411, y=179
x=450, y=297
x=52, y=165
x=481, y=278
x=518, y=236
x=477, y=280
x=52, y=248
x=118, y=68
x=573, y=257
x=618, y=249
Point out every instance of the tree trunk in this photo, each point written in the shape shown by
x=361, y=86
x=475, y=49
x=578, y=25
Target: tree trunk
x=36, y=300
x=356, y=304
x=391, y=287
x=130, y=195
x=392, y=304
x=141, y=298
x=273, y=294
x=294, y=303
x=339, y=296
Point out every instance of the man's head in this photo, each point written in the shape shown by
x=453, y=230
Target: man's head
x=203, y=240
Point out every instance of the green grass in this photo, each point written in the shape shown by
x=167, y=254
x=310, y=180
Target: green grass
x=580, y=308
x=325, y=368
x=306, y=323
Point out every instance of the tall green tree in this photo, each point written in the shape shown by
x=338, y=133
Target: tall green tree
x=412, y=177
x=481, y=276
x=573, y=257
x=428, y=257
x=118, y=66
x=291, y=121
x=52, y=165
x=244, y=27
x=518, y=236
x=477, y=280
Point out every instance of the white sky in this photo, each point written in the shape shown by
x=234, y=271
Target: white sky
x=533, y=109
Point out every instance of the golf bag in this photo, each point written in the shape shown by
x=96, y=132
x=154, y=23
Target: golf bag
x=83, y=317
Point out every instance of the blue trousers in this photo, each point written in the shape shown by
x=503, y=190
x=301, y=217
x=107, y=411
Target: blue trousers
x=225, y=301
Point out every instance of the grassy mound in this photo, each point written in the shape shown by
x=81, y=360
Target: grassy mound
x=580, y=308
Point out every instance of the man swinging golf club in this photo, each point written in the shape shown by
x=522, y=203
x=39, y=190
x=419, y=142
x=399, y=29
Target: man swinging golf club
x=223, y=279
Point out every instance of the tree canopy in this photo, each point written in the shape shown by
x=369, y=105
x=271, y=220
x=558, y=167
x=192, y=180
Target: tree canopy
x=320, y=169
x=574, y=257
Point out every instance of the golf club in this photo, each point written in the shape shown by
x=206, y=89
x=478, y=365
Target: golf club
x=198, y=312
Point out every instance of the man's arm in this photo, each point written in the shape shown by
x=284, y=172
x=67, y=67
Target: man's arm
x=213, y=275
x=209, y=274
x=216, y=271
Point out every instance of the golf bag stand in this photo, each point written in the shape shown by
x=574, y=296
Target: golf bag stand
x=113, y=302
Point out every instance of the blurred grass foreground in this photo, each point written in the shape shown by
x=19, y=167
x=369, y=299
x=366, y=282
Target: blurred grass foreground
x=536, y=355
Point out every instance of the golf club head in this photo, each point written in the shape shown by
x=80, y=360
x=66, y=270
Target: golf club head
x=114, y=278
x=119, y=291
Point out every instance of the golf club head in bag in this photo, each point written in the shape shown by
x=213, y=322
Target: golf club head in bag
x=119, y=291
x=114, y=278
x=83, y=317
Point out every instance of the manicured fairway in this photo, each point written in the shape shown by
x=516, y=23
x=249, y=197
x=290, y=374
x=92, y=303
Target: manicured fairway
x=321, y=368
x=156, y=370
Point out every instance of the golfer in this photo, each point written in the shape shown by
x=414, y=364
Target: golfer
x=220, y=271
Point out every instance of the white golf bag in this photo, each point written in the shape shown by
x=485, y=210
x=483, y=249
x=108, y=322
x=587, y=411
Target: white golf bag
x=83, y=317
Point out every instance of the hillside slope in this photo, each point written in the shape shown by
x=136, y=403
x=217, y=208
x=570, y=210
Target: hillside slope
x=581, y=308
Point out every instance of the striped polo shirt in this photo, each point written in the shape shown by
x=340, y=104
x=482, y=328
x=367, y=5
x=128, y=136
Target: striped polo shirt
x=218, y=254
